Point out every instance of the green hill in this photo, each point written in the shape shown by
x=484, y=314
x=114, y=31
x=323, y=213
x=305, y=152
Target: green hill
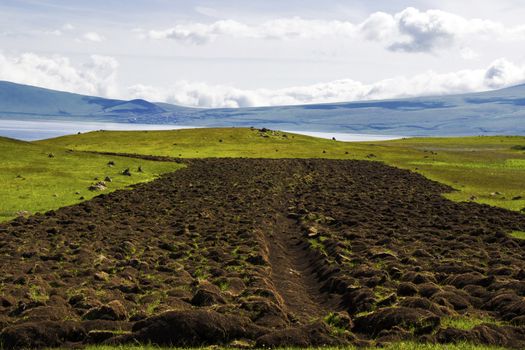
x=37, y=178
x=485, y=169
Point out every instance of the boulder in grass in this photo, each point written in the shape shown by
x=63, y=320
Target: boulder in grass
x=99, y=186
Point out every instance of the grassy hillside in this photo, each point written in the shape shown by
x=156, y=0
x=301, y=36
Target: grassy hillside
x=485, y=169
x=37, y=178
x=392, y=346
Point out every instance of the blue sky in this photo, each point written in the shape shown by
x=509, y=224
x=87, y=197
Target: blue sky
x=249, y=53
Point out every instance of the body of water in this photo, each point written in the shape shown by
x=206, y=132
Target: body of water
x=39, y=130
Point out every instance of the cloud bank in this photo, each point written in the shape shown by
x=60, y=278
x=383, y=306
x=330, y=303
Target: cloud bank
x=93, y=36
x=499, y=74
x=410, y=30
x=98, y=76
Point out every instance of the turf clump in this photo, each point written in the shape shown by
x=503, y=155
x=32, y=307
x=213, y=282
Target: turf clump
x=226, y=243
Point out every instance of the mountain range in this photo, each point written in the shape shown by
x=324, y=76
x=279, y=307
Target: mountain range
x=499, y=112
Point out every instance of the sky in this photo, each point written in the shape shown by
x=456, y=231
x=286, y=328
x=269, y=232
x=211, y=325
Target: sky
x=235, y=53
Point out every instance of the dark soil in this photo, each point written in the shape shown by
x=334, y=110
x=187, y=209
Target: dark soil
x=252, y=252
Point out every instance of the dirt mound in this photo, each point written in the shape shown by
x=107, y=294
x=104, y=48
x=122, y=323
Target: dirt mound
x=191, y=328
x=264, y=251
x=41, y=334
x=488, y=334
x=316, y=334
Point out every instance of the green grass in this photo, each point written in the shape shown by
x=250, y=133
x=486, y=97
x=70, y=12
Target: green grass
x=484, y=169
x=518, y=234
x=32, y=181
x=467, y=323
x=394, y=346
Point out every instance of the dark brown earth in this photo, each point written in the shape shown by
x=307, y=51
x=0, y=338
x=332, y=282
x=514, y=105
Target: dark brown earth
x=249, y=252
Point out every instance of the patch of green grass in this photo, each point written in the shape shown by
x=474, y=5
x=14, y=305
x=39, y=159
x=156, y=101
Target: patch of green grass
x=393, y=346
x=37, y=178
x=518, y=234
x=484, y=169
x=38, y=294
x=467, y=323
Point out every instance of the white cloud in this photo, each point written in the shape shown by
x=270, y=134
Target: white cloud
x=410, y=30
x=55, y=32
x=285, y=28
x=98, y=76
x=378, y=26
x=94, y=77
x=413, y=30
x=468, y=54
x=93, y=36
x=500, y=73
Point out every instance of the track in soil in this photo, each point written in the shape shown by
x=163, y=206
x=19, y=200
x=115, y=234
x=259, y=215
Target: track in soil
x=265, y=250
x=294, y=276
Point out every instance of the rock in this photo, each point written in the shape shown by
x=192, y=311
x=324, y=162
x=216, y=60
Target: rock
x=126, y=172
x=312, y=232
x=108, y=179
x=111, y=163
x=99, y=186
x=113, y=311
x=41, y=334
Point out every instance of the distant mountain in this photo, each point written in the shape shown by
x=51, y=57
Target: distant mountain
x=31, y=102
x=487, y=113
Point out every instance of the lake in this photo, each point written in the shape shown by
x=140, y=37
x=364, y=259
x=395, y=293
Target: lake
x=38, y=130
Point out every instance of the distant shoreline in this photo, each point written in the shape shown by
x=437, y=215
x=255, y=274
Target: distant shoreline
x=38, y=130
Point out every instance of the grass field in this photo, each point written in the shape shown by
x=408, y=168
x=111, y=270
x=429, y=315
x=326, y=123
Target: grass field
x=37, y=178
x=53, y=173
x=394, y=346
x=484, y=169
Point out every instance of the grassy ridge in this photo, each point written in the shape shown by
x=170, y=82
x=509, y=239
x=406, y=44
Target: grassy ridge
x=37, y=178
x=485, y=169
x=393, y=346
